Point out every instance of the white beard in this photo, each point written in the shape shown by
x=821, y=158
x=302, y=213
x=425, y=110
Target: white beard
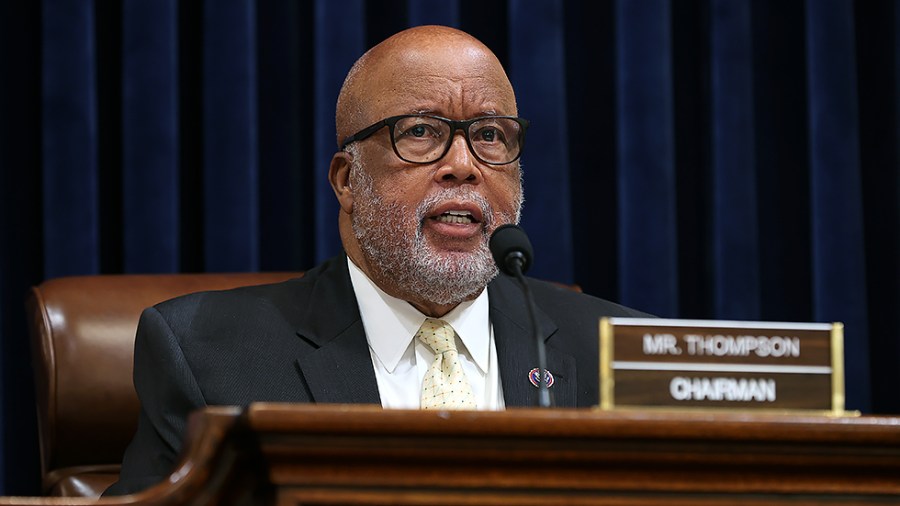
x=382, y=228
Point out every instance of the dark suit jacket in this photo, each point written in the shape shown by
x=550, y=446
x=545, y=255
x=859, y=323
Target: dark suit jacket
x=303, y=341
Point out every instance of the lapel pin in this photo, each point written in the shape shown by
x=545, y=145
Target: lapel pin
x=534, y=375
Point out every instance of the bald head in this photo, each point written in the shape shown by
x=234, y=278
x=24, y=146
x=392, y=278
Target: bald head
x=425, y=69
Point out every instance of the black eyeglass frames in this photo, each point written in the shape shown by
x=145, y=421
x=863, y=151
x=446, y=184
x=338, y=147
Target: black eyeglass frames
x=421, y=138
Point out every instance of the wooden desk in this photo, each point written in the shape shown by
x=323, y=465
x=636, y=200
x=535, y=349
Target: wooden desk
x=318, y=454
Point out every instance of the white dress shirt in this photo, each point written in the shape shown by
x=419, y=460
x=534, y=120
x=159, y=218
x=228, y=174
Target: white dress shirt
x=401, y=361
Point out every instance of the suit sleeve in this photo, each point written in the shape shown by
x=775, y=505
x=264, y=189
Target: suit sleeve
x=168, y=393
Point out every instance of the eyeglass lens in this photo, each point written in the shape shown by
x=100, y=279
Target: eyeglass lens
x=424, y=139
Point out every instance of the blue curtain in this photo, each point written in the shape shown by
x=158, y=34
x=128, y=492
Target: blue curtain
x=728, y=159
x=150, y=138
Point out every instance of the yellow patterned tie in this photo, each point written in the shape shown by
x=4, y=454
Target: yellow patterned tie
x=445, y=385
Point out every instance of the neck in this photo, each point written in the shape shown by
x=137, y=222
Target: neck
x=433, y=310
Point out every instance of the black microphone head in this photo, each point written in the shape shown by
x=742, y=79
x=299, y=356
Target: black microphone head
x=510, y=246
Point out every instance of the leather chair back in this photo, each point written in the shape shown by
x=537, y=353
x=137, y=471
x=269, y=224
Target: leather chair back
x=82, y=333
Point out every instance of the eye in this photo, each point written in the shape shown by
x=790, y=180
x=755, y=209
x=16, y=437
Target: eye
x=419, y=129
x=488, y=134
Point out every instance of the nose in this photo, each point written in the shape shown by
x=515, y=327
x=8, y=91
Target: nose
x=459, y=165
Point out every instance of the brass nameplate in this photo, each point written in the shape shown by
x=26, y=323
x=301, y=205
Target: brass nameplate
x=717, y=364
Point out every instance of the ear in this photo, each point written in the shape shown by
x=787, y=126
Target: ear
x=339, y=177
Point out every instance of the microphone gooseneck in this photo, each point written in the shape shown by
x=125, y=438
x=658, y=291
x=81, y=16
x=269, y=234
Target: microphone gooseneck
x=513, y=254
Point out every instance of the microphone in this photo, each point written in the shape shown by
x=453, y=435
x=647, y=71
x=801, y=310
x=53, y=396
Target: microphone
x=511, y=249
x=513, y=254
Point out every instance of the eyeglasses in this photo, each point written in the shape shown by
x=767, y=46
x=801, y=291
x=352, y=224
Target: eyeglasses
x=420, y=138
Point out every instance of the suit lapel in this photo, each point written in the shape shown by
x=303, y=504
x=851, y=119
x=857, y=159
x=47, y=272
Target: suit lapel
x=339, y=367
x=341, y=370
x=517, y=350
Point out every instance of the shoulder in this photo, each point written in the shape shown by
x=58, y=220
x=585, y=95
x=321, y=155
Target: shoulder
x=330, y=270
x=258, y=302
x=572, y=317
x=559, y=299
x=560, y=302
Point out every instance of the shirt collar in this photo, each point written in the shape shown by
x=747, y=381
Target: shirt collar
x=391, y=323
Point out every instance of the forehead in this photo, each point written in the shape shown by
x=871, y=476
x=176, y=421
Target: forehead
x=454, y=81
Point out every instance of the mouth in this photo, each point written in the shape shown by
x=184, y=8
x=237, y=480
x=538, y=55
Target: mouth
x=456, y=217
x=456, y=212
x=456, y=220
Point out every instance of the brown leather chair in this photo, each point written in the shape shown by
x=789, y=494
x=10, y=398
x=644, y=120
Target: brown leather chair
x=82, y=332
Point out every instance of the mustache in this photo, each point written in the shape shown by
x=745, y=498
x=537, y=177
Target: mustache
x=461, y=194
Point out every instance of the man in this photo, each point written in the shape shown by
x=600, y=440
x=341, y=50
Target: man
x=428, y=169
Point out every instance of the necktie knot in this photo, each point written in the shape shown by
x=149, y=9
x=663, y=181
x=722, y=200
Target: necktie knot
x=438, y=335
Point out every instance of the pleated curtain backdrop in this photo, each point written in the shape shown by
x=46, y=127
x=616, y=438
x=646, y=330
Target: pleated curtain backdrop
x=727, y=159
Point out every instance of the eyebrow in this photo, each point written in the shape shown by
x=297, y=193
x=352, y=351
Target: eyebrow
x=432, y=112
